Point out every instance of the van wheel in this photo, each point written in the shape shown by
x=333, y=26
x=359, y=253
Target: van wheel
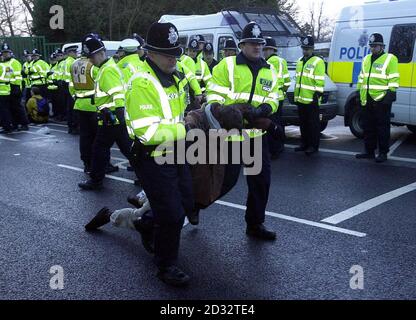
x=356, y=123
x=412, y=128
x=324, y=125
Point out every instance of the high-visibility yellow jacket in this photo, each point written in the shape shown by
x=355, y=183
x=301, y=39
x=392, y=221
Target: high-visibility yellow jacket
x=66, y=69
x=129, y=65
x=54, y=76
x=188, y=62
x=232, y=83
x=109, y=88
x=82, y=85
x=25, y=72
x=202, y=73
x=283, y=74
x=378, y=77
x=38, y=72
x=190, y=76
x=155, y=112
x=16, y=72
x=5, y=76
x=310, y=79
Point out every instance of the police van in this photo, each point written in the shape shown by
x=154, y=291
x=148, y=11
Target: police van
x=396, y=21
x=228, y=24
x=111, y=47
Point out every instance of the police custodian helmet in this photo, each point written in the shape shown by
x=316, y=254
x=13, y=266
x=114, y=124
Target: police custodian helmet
x=270, y=43
x=307, y=42
x=92, y=44
x=252, y=33
x=230, y=45
x=193, y=44
x=376, y=39
x=163, y=38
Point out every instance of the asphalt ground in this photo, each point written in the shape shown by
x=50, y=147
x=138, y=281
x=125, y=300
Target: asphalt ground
x=332, y=213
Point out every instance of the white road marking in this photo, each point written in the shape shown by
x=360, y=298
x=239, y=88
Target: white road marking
x=397, y=144
x=236, y=206
x=367, y=205
x=7, y=138
x=298, y=220
x=107, y=176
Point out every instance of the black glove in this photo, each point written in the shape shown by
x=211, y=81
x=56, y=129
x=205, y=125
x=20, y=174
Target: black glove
x=390, y=97
x=316, y=97
x=262, y=111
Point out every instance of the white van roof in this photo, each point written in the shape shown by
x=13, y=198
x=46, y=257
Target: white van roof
x=379, y=10
x=109, y=45
x=193, y=22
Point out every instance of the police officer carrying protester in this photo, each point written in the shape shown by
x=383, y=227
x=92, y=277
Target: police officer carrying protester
x=377, y=84
x=109, y=100
x=248, y=78
x=156, y=102
x=310, y=83
x=283, y=76
x=19, y=116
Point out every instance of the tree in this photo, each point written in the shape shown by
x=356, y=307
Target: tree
x=319, y=25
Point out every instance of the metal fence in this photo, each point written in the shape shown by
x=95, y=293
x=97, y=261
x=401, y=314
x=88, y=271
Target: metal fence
x=19, y=44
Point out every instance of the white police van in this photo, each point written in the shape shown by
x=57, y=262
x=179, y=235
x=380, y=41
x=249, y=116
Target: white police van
x=228, y=24
x=396, y=21
x=111, y=47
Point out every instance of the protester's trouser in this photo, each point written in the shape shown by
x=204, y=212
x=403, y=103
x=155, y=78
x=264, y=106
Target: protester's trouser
x=277, y=144
x=5, y=113
x=88, y=124
x=169, y=190
x=376, y=125
x=310, y=126
x=259, y=185
x=104, y=140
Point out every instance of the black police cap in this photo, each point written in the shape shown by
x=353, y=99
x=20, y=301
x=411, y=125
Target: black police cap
x=252, y=33
x=163, y=38
x=270, y=43
x=376, y=39
x=307, y=42
x=92, y=45
x=230, y=45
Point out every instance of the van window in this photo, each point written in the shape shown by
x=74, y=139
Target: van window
x=402, y=42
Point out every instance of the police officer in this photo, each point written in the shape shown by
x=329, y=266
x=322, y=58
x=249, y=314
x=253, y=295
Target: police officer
x=310, y=83
x=201, y=44
x=283, y=76
x=202, y=73
x=5, y=91
x=38, y=73
x=208, y=54
x=377, y=84
x=155, y=119
x=110, y=101
x=25, y=75
x=82, y=88
x=130, y=62
x=230, y=48
x=19, y=115
x=66, y=65
x=248, y=78
x=52, y=78
x=60, y=110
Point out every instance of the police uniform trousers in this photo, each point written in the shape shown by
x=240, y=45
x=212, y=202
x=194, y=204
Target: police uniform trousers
x=277, y=144
x=259, y=185
x=5, y=113
x=376, y=125
x=310, y=126
x=72, y=117
x=88, y=124
x=169, y=190
x=19, y=115
x=106, y=136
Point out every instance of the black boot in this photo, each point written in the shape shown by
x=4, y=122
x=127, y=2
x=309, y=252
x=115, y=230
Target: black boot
x=193, y=218
x=100, y=219
x=382, y=157
x=365, y=156
x=173, y=276
x=310, y=151
x=147, y=234
x=90, y=185
x=259, y=231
